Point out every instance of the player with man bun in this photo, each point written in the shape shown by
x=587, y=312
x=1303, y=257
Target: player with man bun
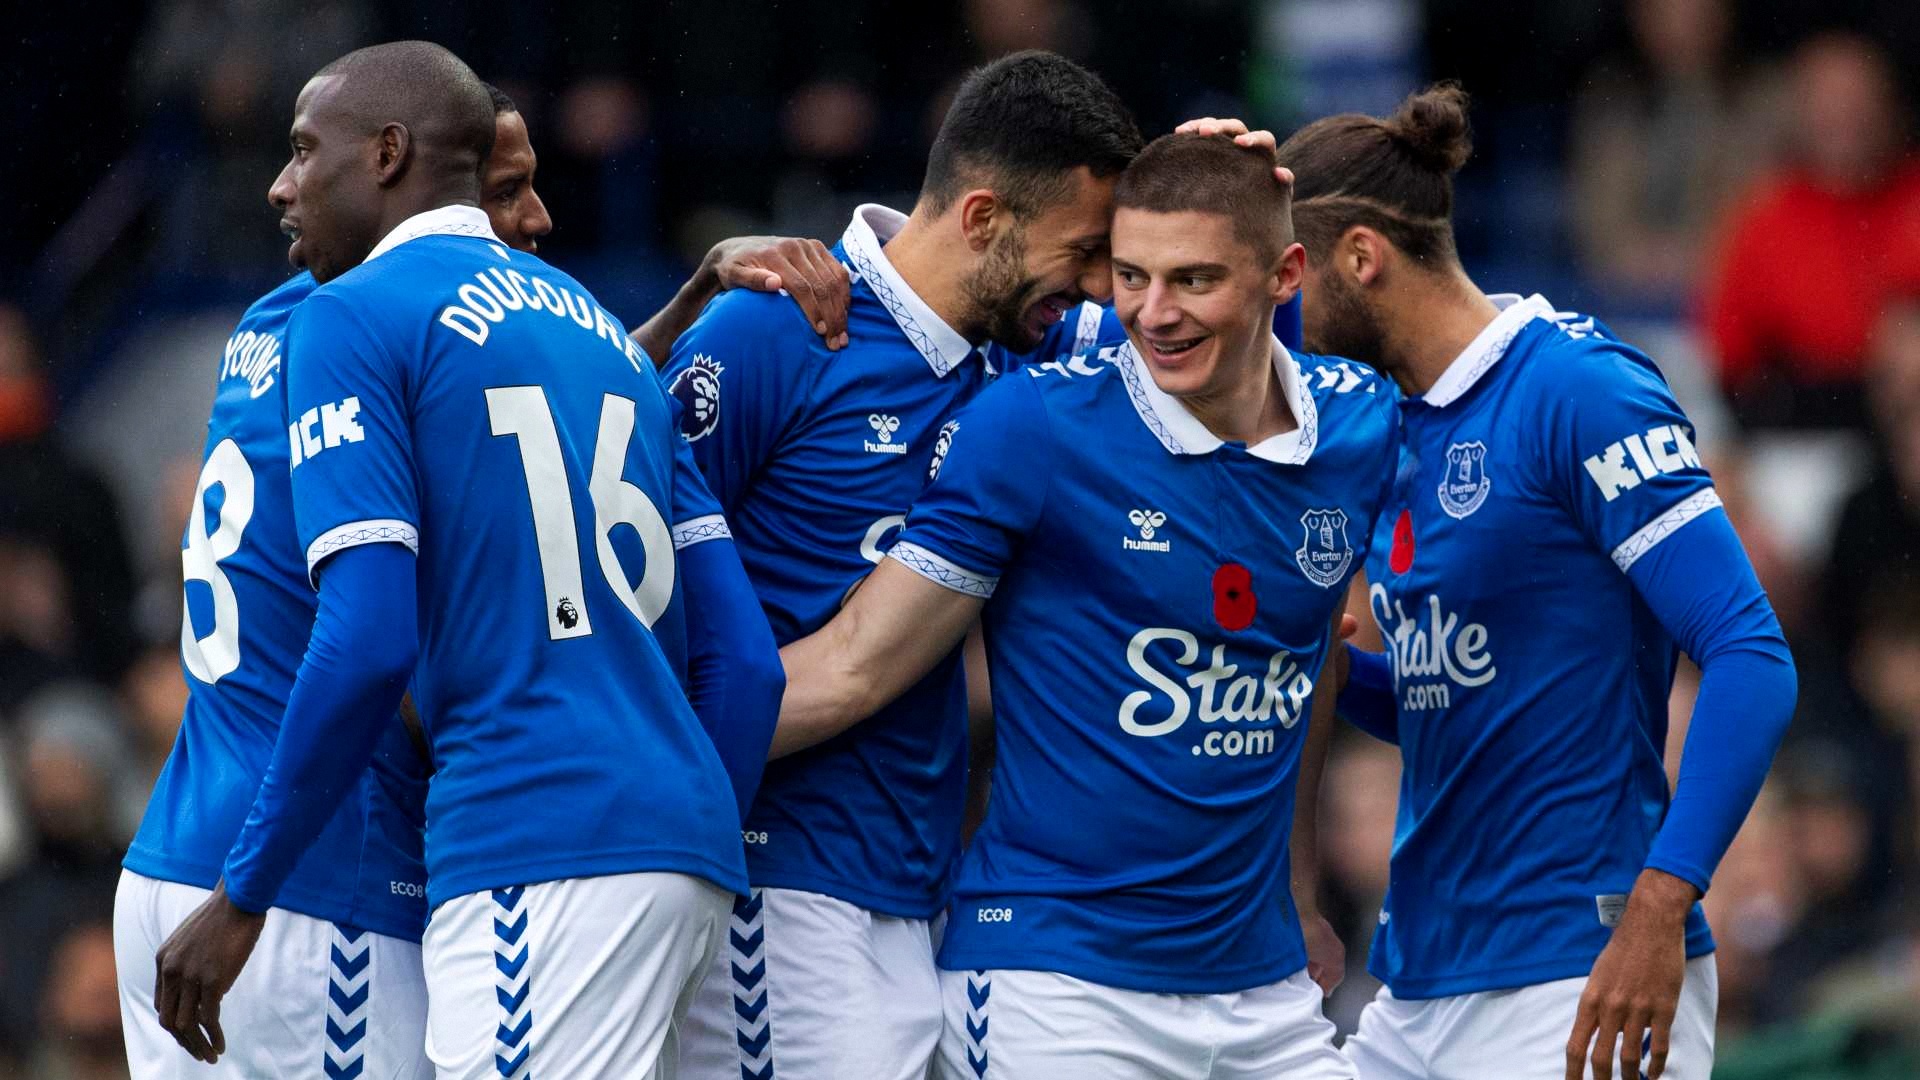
x=1553, y=541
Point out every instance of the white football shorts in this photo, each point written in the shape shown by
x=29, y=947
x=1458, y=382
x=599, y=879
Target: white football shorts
x=1520, y=1033
x=809, y=987
x=315, y=999
x=584, y=977
x=1040, y=1025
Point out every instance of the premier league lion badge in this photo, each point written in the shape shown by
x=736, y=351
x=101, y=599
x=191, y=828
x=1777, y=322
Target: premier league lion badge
x=1325, y=553
x=697, y=389
x=1465, y=484
x=940, y=446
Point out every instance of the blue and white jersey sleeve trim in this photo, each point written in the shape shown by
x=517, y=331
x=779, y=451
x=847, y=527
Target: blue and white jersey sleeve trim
x=355, y=533
x=1663, y=526
x=699, y=530
x=941, y=572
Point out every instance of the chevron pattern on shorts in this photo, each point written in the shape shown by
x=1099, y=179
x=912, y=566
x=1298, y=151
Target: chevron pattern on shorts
x=979, y=989
x=747, y=957
x=513, y=1038
x=349, y=988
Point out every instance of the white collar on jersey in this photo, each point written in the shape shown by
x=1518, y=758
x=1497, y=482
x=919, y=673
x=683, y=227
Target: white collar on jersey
x=1486, y=350
x=872, y=226
x=1181, y=433
x=445, y=221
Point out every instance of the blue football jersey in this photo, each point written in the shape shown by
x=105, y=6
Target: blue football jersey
x=248, y=614
x=1530, y=677
x=1159, y=612
x=815, y=456
x=480, y=407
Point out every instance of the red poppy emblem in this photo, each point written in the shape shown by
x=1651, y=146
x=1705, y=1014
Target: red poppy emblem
x=1233, y=601
x=1400, y=559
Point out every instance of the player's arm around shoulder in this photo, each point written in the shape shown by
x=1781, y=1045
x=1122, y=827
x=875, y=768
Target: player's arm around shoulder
x=916, y=606
x=804, y=269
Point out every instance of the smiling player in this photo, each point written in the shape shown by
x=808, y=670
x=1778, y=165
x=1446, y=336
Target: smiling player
x=1156, y=545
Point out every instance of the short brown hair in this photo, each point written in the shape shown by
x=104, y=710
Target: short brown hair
x=1213, y=175
x=1393, y=175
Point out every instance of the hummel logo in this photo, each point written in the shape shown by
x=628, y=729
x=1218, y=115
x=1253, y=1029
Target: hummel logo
x=883, y=428
x=1147, y=521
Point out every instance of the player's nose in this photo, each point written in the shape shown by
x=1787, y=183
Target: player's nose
x=538, y=222
x=280, y=194
x=1160, y=309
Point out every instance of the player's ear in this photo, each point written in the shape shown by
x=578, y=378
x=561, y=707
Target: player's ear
x=982, y=215
x=393, y=146
x=1289, y=272
x=1362, y=253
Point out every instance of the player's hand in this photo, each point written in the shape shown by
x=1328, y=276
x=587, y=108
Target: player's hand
x=804, y=268
x=1326, y=953
x=197, y=966
x=1260, y=139
x=1635, y=986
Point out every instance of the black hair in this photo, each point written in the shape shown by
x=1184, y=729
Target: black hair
x=502, y=104
x=1020, y=125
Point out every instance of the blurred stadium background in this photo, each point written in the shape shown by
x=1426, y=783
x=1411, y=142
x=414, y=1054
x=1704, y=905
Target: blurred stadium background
x=1732, y=185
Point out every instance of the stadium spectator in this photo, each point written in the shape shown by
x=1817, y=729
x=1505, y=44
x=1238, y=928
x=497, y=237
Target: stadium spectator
x=72, y=780
x=80, y=1013
x=1662, y=136
x=1879, y=525
x=65, y=577
x=1812, y=254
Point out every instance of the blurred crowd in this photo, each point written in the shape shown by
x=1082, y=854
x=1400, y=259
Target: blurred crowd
x=1733, y=186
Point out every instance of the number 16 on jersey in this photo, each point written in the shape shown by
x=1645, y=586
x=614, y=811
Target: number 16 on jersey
x=524, y=413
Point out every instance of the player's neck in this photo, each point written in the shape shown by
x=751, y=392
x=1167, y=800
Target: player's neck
x=1441, y=318
x=925, y=261
x=1252, y=407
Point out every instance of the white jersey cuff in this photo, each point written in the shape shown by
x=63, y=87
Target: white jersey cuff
x=699, y=530
x=355, y=533
x=941, y=572
x=1653, y=532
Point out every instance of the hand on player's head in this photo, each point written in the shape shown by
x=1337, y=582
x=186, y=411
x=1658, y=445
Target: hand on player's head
x=1260, y=139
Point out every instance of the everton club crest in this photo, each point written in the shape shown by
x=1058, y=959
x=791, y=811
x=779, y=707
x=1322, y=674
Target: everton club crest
x=1325, y=554
x=1464, y=485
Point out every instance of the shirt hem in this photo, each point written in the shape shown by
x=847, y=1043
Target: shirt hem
x=893, y=904
x=604, y=864
x=291, y=898
x=1569, y=967
x=1138, y=980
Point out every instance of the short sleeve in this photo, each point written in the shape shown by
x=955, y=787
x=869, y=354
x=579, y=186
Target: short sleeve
x=352, y=455
x=1620, y=453
x=696, y=513
x=987, y=493
x=737, y=375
